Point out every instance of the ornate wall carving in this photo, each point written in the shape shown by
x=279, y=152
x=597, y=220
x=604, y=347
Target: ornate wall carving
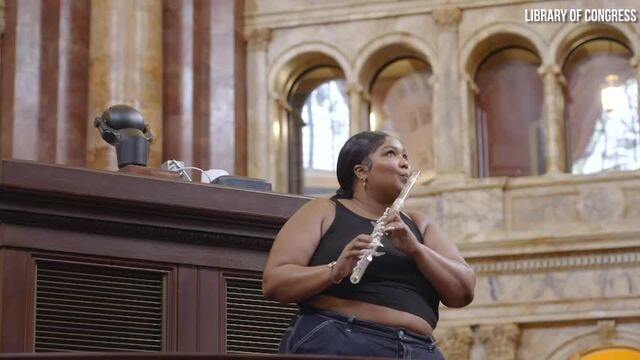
x=500, y=341
x=447, y=17
x=601, y=204
x=472, y=212
x=554, y=254
x=258, y=39
x=455, y=343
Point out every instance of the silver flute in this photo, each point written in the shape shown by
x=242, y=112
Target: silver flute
x=378, y=231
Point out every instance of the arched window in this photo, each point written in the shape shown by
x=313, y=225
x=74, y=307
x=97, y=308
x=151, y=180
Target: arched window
x=601, y=108
x=401, y=104
x=319, y=124
x=509, y=103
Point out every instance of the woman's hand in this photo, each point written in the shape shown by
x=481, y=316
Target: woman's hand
x=350, y=256
x=400, y=235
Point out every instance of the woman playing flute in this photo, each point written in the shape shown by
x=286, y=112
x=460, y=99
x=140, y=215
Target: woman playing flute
x=393, y=310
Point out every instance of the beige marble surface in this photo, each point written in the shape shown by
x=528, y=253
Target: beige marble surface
x=125, y=68
x=557, y=256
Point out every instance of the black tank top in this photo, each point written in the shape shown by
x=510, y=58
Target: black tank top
x=392, y=280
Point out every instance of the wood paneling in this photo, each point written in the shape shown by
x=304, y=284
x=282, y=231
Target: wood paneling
x=16, y=299
x=193, y=232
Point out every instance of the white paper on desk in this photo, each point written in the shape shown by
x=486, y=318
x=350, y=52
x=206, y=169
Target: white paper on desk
x=212, y=174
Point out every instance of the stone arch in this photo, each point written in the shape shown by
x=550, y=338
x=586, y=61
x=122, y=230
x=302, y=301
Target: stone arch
x=473, y=51
x=582, y=344
x=292, y=62
x=416, y=129
x=285, y=69
x=570, y=35
x=492, y=37
x=380, y=50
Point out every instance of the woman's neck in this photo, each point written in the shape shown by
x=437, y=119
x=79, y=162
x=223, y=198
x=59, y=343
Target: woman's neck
x=370, y=204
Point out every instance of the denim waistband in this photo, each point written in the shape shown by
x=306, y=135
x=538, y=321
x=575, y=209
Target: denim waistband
x=389, y=331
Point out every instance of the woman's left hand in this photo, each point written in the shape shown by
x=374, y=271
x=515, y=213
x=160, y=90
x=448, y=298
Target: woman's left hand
x=400, y=235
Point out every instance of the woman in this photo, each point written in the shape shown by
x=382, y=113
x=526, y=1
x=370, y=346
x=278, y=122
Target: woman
x=394, y=309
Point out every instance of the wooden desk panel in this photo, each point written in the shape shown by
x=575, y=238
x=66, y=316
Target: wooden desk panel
x=192, y=233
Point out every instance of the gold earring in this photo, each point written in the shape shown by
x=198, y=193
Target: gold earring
x=364, y=184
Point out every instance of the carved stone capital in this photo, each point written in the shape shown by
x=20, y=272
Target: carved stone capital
x=280, y=100
x=471, y=83
x=635, y=61
x=455, y=343
x=606, y=330
x=354, y=88
x=448, y=17
x=500, y=341
x=545, y=69
x=258, y=39
x=553, y=71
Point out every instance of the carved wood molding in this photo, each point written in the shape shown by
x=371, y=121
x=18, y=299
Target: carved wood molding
x=57, y=197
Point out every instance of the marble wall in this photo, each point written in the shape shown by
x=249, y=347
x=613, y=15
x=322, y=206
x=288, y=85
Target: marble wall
x=180, y=63
x=557, y=256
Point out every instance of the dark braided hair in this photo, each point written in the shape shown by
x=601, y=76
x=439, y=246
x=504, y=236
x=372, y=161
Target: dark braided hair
x=354, y=152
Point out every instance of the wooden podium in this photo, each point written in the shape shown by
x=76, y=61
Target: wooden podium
x=105, y=261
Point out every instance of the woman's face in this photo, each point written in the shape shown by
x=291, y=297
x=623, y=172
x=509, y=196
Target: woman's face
x=390, y=166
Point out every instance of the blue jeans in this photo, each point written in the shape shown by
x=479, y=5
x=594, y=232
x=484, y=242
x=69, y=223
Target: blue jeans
x=314, y=331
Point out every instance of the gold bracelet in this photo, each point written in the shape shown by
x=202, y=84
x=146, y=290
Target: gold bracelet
x=331, y=265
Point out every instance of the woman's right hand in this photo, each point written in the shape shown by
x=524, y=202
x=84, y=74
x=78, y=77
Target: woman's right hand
x=350, y=256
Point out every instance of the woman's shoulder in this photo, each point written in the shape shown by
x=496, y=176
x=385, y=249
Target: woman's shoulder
x=319, y=211
x=421, y=220
x=318, y=206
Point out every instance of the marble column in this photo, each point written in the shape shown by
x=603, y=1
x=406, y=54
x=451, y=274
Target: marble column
x=219, y=85
x=125, y=68
x=177, y=105
x=455, y=343
x=279, y=110
x=45, y=81
x=358, y=108
x=635, y=63
x=447, y=120
x=555, y=154
x=469, y=90
x=72, y=85
x=2, y=27
x=500, y=341
x=21, y=81
x=257, y=103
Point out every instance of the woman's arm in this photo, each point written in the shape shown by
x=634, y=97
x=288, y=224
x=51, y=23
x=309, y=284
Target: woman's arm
x=287, y=276
x=440, y=261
